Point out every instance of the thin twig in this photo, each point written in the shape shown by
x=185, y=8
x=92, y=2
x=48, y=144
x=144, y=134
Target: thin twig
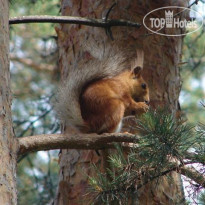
x=195, y=2
x=73, y=20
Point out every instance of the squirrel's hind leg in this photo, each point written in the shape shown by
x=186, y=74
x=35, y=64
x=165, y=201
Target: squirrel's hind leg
x=113, y=117
x=112, y=124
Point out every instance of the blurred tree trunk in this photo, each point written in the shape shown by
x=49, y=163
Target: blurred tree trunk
x=162, y=55
x=8, y=193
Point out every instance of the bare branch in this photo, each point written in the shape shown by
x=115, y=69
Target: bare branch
x=190, y=173
x=194, y=175
x=194, y=157
x=74, y=141
x=73, y=20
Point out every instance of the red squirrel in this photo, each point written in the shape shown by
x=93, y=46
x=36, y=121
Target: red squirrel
x=99, y=93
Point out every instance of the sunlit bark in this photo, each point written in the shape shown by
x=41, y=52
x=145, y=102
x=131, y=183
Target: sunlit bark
x=8, y=193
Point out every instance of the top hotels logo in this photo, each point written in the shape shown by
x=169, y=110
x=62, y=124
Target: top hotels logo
x=172, y=21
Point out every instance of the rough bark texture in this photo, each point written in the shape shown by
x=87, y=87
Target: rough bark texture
x=162, y=55
x=8, y=193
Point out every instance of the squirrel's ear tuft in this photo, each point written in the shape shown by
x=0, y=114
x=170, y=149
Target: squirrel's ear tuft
x=137, y=64
x=137, y=71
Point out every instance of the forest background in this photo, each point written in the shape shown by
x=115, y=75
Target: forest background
x=34, y=77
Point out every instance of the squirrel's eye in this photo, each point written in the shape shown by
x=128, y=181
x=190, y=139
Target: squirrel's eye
x=143, y=85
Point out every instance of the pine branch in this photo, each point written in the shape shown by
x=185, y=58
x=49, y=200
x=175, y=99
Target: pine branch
x=113, y=189
x=104, y=23
x=74, y=141
x=161, y=150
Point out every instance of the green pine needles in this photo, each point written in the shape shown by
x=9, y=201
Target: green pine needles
x=165, y=145
x=163, y=138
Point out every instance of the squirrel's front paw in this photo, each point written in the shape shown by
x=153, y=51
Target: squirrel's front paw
x=137, y=108
x=144, y=106
x=140, y=108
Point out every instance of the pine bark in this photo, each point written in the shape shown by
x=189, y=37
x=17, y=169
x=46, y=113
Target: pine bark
x=162, y=55
x=8, y=193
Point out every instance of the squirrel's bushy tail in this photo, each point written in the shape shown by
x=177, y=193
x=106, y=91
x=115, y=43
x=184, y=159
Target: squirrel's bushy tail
x=106, y=62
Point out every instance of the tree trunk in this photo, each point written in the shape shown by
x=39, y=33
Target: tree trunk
x=8, y=193
x=162, y=55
